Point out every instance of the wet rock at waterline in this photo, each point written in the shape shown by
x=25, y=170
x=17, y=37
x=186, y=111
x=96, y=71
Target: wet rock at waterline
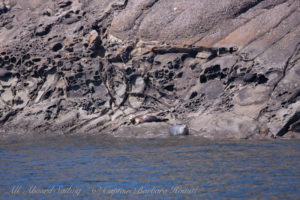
x=229, y=70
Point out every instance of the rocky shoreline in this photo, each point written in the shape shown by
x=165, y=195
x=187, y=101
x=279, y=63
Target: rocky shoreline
x=226, y=70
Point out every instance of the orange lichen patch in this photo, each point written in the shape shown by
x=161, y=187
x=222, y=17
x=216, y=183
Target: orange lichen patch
x=285, y=47
x=255, y=28
x=207, y=42
x=219, y=32
x=68, y=40
x=93, y=36
x=258, y=46
x=187, y=41
x=291, y=35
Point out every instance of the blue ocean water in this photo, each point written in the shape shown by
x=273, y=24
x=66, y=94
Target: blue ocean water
x=100, y=167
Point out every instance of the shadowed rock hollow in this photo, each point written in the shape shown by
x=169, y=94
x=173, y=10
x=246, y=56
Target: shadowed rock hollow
x=227, y=69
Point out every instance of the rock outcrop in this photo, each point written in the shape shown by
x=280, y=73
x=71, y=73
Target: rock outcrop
x=227, y=69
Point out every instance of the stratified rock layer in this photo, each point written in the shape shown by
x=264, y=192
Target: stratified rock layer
x=227, y=69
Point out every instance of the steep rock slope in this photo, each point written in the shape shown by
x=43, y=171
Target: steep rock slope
x=227, y=69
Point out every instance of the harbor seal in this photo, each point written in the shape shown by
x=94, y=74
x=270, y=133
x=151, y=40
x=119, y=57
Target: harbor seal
x=179, y=130
x=146, y=118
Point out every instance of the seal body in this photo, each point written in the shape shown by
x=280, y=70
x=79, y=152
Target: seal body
x=147, y=118
x=179, y=130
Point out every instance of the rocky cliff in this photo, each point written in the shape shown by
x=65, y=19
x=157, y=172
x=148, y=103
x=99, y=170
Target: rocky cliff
x=227, y=69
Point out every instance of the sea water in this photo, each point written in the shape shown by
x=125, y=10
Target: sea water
x=101, y=167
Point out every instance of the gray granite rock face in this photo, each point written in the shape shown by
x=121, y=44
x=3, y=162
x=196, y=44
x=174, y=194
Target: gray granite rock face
x=226, y=69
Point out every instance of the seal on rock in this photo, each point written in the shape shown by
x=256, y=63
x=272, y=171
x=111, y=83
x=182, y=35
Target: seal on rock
x=146, y=118
x=179, y=130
